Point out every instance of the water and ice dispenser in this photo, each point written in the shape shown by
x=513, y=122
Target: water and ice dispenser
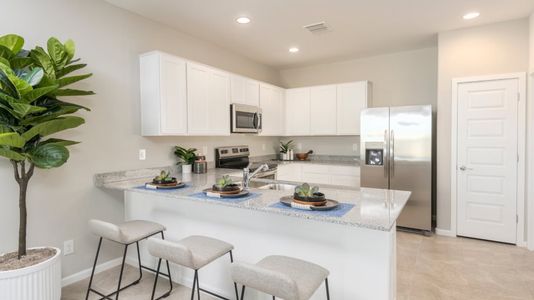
x=374, y=154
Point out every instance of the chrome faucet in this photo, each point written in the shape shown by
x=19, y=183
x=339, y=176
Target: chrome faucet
x=247, y=176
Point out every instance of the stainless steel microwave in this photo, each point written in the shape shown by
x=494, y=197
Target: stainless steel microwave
x=245, y=118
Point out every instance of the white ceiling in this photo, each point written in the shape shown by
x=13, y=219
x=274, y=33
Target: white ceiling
x=358, y=27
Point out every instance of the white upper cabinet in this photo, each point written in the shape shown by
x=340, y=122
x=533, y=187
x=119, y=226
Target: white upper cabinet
x=208, y=100
x=273, y=110
x=244, y=90
x=163, y=95
x=352, y=98
x=323, y=110
x=298, y=111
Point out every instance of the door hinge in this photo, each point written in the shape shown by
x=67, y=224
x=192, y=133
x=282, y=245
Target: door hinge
x=517, y=219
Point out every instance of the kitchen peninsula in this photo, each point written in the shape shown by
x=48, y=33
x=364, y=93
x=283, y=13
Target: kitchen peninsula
x=358, y=247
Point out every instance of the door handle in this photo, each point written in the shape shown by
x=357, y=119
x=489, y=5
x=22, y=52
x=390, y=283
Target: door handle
x=464, y=168
x=392, y=154
x=385, y=154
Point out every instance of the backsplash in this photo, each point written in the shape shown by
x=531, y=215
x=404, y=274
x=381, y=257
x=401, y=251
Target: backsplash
x=326, y=145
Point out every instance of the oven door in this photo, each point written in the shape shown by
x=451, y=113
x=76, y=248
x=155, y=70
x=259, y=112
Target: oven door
x=245, y=118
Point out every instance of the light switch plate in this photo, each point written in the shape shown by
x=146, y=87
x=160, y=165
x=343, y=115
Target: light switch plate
x=355, y=147
x=68, y=247
x=142, y=154
x=263, y=147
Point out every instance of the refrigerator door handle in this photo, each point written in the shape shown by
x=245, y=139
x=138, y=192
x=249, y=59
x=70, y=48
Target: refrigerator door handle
x=392, y=154
x=385, y=154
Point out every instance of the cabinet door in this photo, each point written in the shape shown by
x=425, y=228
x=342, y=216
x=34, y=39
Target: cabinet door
x=272, y=106
x=352, y=98
x=244, y=90
x=208, y=93
x=323, y=110
x=219, y=103
x=315, y=178
x=298, y=111
x=173, y=95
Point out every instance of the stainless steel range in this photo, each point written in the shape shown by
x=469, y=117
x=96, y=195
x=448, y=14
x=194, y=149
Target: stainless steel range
x=238, y=157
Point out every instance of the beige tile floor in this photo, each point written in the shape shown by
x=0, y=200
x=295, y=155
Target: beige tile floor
x=428, y=268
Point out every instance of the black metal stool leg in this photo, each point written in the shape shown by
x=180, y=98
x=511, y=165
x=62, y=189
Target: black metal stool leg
x=194, y=286
x=198, y=286
x=93, y=271
x=327, y=289
x=140, y=266
x=243, y=293
x=168, y=270
x=235, y=284
x=122, y=271
x=156, y=280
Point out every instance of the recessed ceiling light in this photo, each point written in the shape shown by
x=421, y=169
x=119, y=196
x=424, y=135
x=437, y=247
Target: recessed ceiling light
x=243, y=20
x=471, y=15
x=293, y=49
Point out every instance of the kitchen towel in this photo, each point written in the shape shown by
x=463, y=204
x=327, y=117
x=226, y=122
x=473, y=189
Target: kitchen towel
x=203, y=196
x=337, y=212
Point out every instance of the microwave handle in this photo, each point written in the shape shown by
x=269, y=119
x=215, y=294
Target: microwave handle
x=260, y=121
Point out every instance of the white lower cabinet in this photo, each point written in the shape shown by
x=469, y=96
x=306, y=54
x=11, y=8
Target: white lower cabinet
x=320, y=174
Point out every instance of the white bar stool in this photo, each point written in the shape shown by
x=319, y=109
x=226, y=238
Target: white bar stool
x=193, y=252
x=281, y=276
x=126, y=234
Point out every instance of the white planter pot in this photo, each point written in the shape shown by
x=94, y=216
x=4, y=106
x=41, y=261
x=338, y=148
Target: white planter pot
x=38, y=282
x=186, y=169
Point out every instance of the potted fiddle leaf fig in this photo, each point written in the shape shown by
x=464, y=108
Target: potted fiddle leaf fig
x=32, y=86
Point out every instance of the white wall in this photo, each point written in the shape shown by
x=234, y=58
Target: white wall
x=490, y=49
x=61, y=201
x=530, y=138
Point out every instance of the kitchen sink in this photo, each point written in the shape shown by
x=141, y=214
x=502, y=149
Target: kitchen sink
x=271, y=186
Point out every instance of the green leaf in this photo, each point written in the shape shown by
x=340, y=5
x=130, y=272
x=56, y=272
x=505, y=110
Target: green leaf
x=5, y=129
x=50, y=115
x=21, y=62
x=21, y=85
x=13, y=42
x=70, y=48
x=59, y=142
x=7, y=98
x=72, y=92
x=12, y=139
x=44, y=61
x=5, y=62
x=10, y=154
x=6, y=53
x=7, y=86
x=53, y=126
x=23, y=109
x=39, y=92
x=34, y=76
x=49, y=156
x=69, y=69
x=57, y=52
x=72, y=79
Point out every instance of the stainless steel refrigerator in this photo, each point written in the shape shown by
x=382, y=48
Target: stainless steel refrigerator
x=396, y=151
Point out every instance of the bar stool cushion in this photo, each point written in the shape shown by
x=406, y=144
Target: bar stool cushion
x=127, y=232
x=193, y=252
x=281, y=276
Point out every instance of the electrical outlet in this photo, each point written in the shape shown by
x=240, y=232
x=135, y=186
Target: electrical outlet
x=142, y=154
x=263, y=147
x=355, y=147
x=68, y=247
x=299, y=146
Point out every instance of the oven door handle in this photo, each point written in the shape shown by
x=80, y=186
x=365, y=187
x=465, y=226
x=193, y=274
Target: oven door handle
x=260, y=121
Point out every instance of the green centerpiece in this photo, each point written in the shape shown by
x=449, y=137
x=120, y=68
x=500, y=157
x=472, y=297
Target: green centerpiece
x=226, y=184
x=307, y=193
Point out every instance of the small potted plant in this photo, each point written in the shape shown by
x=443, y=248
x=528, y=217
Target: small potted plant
x=310, y=195
x=164, y=178
x=285, y=149
x=226, y=184
x=187, y=158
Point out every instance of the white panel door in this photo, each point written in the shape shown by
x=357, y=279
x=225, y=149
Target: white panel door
x=487, y=160
x=352, y=98
x=323, y=110
x=298, y=111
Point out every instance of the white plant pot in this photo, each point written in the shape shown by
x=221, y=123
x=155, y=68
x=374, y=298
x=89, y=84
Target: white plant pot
x=186, y=169
x=38, y=282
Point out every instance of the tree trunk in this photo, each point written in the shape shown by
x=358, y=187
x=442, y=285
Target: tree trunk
x=22, y=177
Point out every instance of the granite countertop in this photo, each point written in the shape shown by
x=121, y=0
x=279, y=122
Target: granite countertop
x=375, y=209
x=355, y=162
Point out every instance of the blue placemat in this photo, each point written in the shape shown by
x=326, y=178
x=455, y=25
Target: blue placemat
x=337, y=212
x=203, y=196
x=142, y=187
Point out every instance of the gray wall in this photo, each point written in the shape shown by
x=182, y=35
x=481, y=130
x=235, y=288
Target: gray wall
x=490, y=49
x=61, y=201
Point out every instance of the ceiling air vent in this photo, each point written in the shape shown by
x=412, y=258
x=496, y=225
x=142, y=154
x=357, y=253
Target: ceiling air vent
x=317, y=27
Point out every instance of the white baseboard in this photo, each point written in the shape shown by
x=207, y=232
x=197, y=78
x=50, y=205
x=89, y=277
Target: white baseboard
x=87, y=272
x=445, y=232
